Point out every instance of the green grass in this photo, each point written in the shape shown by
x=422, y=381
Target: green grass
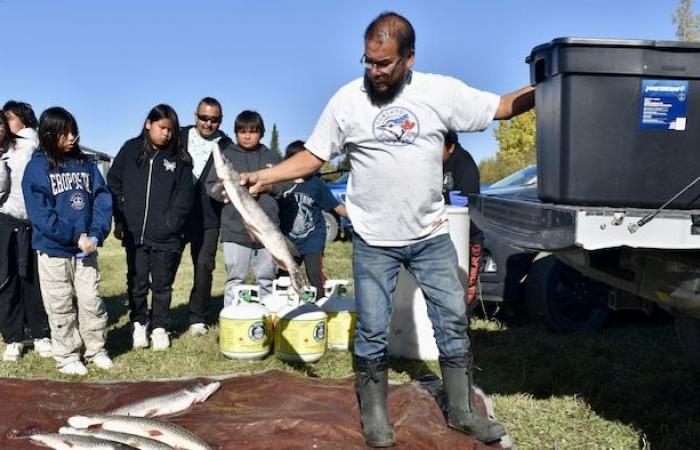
x=627, y=386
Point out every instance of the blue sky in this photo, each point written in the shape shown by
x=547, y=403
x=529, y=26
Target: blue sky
x=110, y=62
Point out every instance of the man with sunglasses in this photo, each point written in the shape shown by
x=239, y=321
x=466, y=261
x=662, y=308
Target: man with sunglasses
x=392, y=124
x=202, y=229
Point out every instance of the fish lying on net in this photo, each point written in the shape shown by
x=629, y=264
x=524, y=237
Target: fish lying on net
x=167, y=404
x=160, y=430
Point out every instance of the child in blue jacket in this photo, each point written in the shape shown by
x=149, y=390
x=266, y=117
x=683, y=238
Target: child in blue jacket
x=70, y=209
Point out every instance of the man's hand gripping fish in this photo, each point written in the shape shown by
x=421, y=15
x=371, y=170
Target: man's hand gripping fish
x=257, y=222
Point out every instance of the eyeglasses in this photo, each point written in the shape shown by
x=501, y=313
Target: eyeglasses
x=386, y=68
x=212, y=119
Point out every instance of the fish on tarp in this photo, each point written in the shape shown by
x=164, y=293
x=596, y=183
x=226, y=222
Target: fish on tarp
x=257, y=222
x=134, y=441
x=166, y=404
x=75, y=442
x=160, y=430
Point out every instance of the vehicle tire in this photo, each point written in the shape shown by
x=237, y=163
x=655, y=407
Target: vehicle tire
x=332, y=226
x=688, y=329
x=563, y=299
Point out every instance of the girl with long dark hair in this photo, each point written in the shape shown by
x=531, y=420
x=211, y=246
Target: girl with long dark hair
x=20, y=297
x=151, y=183
x=71, y=213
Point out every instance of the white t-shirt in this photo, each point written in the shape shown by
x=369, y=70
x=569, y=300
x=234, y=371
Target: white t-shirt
x=394, y=194
x=200, y=149
x=14, y=162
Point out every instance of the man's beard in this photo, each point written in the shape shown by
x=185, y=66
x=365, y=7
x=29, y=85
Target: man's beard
x=378, y=98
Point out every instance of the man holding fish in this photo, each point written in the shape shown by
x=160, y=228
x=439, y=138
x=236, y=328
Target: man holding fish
x=391, y=122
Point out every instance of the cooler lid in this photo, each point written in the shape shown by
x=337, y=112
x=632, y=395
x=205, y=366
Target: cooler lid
x=603, y=42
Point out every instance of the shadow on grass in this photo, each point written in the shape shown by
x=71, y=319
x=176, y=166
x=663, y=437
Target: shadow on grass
x=631, y=373
x=119, y=339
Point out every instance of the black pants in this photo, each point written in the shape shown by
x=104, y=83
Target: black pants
x=20, y=296
x=149, y=268
x=203, y=250
x=314, y=270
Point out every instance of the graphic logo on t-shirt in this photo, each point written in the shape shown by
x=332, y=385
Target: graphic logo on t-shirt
x=395, y=126
x=169, y=166
x=304, y=220
x=77, y=201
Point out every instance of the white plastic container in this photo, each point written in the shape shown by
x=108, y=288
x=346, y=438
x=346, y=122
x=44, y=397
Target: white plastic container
x=245, y=327
x=300, y=331
x=281, y=290
x=411, y=333
x=342, y=314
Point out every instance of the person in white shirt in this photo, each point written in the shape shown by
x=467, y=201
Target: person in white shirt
x=392, y=123
x=20, y=297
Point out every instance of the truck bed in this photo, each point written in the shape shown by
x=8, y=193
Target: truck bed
x=531, y=224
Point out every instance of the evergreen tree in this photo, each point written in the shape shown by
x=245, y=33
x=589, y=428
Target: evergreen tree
x=275, y=140
x=687, y=23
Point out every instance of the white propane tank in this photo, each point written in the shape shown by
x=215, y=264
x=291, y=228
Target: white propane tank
x=411, y=331
x=341, y=312
x=245, y=327
x=281, y=289
x=300, y=331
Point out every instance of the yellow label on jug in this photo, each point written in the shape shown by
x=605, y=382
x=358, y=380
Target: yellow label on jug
x=244, y=336
x=341, y=328
x=301, y=337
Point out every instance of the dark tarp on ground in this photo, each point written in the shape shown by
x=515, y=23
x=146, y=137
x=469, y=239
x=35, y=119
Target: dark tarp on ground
x=272, y=410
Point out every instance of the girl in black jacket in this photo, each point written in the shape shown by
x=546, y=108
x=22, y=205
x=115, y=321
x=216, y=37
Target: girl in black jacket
x=151, y=181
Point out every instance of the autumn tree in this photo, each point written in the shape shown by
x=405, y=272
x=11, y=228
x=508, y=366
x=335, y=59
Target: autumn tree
x=687, y=24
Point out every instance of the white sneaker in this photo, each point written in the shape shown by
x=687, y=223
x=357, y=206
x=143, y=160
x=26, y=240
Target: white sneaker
x=43, y=347
x=74, y=368
x=102, y=361
x=198, y=329
x=13, y=351
x=160, y=339
x=140, y=337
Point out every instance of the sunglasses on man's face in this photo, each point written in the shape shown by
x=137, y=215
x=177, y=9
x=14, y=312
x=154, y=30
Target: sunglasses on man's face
x=212, y=119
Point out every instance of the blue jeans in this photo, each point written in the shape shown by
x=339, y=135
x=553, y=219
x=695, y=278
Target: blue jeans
x=433, y=264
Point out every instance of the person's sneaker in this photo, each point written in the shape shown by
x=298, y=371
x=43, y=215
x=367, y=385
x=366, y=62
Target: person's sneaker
x=43, y=347
x=198, y=329
x=13, y=351
x=74, y=368
x=160, y=339
x=140, y=337
x=102, y=361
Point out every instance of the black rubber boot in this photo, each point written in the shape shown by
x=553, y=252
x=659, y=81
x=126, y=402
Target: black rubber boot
x=372, y=386
x=462, y=414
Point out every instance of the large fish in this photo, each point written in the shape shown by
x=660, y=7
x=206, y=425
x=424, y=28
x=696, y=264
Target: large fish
x=75, y=442
x=166, y=404
x=159, y=430
x=132, y=440
x=257, y=221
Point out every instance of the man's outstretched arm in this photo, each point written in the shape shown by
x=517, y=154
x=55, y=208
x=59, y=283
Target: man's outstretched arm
x=515, y=103
x=300, y=165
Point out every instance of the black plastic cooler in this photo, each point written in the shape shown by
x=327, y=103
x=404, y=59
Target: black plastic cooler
x=618, y=122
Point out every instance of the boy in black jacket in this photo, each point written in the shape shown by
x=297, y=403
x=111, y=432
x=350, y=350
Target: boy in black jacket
x=151, y=181
x=240, y=250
